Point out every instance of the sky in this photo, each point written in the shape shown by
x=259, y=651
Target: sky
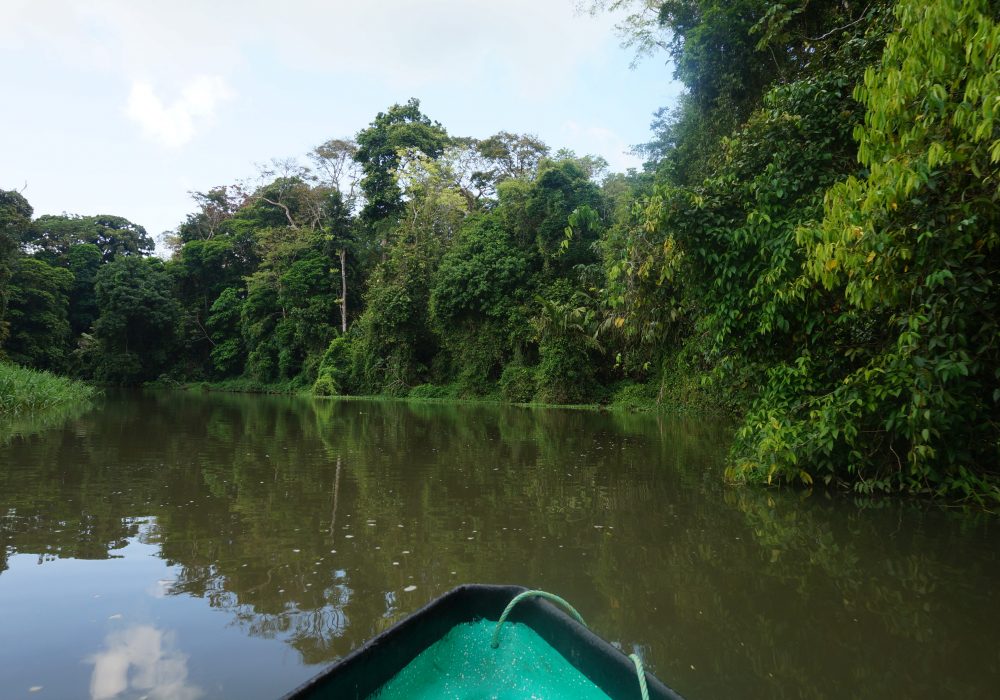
x=126, y=106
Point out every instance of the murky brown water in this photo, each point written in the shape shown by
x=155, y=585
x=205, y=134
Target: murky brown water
x=197, y=546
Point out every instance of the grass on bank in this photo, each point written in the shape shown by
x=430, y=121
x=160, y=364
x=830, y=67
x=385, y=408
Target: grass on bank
x=26, y=391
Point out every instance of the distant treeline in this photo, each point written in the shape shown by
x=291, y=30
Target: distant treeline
x=811, y=245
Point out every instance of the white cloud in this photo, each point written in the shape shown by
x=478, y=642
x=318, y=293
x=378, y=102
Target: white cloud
x=175, y=124
x=536, y=43
x=599, y=140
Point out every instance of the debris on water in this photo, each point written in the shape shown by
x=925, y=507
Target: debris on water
x=34, y=688
x=409, y=589
x=116, y=616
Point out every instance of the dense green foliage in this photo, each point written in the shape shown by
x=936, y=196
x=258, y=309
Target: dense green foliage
x=132, y=334
x=38, y=313
x=811, y=246
x=847, y=220
x=901, y=388
x=378, y=153
x=15, y=219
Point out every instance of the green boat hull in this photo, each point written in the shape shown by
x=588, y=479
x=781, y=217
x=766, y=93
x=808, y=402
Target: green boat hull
x=370, y=668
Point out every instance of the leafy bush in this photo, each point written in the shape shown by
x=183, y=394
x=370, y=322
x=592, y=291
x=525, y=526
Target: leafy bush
x=634, y=396
x=565, y=373
x=333, y=377
x=432, y=391
x=517, y=383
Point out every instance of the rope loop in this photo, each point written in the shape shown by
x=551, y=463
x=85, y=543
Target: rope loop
x=532, y=594
x=640, y=671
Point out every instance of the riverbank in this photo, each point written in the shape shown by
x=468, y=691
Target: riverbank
x=627, y=397
x=26, y=392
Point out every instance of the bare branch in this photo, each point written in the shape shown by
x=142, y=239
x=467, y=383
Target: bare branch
x=284, y=207
x=864, y=13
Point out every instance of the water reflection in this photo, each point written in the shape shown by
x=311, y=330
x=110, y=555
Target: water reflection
x=26, y=425
x=314, y=525
x=141, y=659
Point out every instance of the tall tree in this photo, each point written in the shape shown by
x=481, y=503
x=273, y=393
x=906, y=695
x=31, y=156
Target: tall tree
x=508, y=156
x=83, y=261
x=215, y=208
x=136, y=323
x=15, y=219
x=336, y=161
x=396, y=342
x=338, y=230
x=52, y=236
x=401, y=127
x=289, y=310
x=38, y=314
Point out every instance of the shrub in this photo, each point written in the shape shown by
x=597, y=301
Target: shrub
x=517, y=383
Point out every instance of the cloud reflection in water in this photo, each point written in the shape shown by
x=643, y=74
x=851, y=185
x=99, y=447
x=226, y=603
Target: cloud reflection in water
x=143, y=659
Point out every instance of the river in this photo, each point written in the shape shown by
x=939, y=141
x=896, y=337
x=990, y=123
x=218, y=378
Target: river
x=193, y=545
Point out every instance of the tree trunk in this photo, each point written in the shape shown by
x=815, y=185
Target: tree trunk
x=343, y=290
